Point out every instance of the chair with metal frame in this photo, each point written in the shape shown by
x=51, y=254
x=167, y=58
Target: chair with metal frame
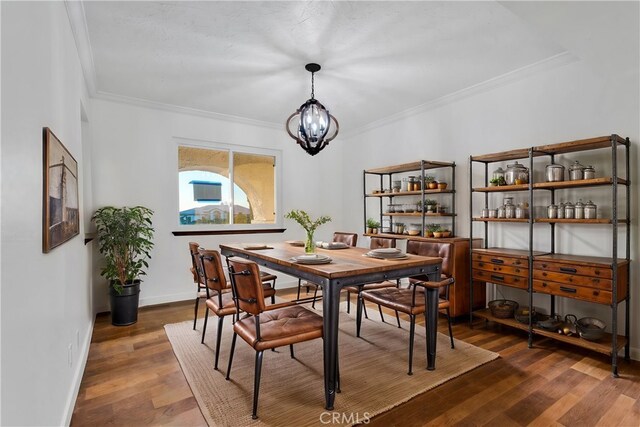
x=405, y=300
x=219, y=296
x=375, y=243
x=266, y=327
x=350, y=239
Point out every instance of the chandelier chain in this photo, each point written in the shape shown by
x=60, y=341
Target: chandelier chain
x=312, y=86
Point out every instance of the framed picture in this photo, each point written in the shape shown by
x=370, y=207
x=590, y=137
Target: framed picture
x=60, y=204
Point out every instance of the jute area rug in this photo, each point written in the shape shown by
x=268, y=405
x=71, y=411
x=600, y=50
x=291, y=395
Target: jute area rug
x=373, y=373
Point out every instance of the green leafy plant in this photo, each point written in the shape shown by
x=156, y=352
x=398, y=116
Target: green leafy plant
x=303, y=218
x=372, y=223
x=429, y=178
x=429, y=202
x=433, y=227
x=125, y=240
x=498, y=181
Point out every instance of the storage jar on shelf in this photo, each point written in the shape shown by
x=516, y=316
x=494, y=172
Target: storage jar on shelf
x=576, y=171
x=516, y=174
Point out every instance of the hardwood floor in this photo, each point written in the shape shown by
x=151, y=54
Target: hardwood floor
x=133, y=378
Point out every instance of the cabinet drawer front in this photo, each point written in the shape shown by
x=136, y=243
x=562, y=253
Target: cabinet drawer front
x=501, y=268
x=581, y=270
x=500, y=279
x=573, y=279
x=570, y=291
x=501, y=260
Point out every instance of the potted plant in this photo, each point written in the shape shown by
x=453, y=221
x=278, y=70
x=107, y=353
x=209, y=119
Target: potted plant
x=372, y=226
x=125, y=240
x=437, y=232
x=494, y=182
x=419, y=206
x=431, y=205
x=446, y=232
x=430, y=182
x=430, y=229
x=303, y=218
x=442, y=185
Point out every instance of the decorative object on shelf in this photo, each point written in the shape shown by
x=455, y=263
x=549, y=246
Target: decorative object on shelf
x=522, y=314
x=589, y=172
x=419, y=206
x=409, y=208
x=552, y=211
x=437, y=232
x=590, y=328
x=550, y=324
x=522, y=210
x=396, y=186
x=568, y=326
x=497, y=174
x=590, y=210
x=495, y=182
x=502, y=308
x=516, y=171
x=554, y=172
x=430, y=205
x=561, y=210
x=125, y=240
x=314, y=121
x=372, y=226
x=398, y=228
x=446, y=232
x=578, y=210
x=430, y=182
x=430, y=229
x=442, y=185
x=302, y=218
x=60, y=216
x=576, y=171
x=493, y=213
x=414, y=229
x=569, y=210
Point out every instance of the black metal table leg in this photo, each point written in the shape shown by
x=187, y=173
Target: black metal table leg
x=331, y=311
x=431, y=325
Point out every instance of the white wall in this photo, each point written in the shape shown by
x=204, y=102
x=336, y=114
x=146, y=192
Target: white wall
x=45, y=297
x=560, y=104
x=135, y=161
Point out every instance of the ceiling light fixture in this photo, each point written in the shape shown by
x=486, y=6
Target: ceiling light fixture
x=314, y=121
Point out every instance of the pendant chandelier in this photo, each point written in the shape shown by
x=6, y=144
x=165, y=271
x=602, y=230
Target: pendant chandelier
x=314, y=121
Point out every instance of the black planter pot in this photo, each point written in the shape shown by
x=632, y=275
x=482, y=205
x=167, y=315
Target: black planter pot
x=124, y=305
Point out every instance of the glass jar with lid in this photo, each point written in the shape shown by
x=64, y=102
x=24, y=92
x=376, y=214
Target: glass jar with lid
x=498, y=173
x=561, y=210
x=501, y=212
x=576, y=171
x=510, y=211
x=507, y=200
x=552, y=211
x=516, y=174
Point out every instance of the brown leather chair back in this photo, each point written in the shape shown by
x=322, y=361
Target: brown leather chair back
x=213, y=273
x=434, y=249
x=193, y=249
x=247, y=285
x=349, y=238
x=382, y=242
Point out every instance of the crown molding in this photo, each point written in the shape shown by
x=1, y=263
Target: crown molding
x=140, y=102
x=78, y=21
x=546, y=64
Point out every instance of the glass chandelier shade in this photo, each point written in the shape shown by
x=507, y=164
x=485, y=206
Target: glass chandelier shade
x=314, y=122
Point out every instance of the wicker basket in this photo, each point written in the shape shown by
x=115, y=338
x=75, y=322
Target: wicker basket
x=522, y=314
x=502, y=308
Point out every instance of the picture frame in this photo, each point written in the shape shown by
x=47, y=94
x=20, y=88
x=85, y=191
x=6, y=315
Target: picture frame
x=60, y=202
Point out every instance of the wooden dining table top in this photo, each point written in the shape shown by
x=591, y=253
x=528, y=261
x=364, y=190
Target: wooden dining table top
x=345, y=262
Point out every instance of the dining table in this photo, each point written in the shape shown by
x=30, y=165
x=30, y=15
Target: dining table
x=348, y=266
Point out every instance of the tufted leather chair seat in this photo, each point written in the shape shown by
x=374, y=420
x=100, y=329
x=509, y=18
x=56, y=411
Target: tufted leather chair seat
x=280, y=327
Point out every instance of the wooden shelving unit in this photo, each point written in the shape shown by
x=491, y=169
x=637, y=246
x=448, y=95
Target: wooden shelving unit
x=600, y=280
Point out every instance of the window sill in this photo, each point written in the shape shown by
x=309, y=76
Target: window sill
x=219, y=232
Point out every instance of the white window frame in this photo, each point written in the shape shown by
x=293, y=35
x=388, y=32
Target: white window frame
x=231, y=148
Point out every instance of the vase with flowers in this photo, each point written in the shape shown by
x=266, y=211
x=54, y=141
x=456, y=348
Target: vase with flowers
x=309, y=225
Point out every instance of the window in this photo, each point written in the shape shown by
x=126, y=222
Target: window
x=222, y=186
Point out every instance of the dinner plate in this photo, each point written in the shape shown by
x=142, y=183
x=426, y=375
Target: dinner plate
x=386, y=251
x=295, y=242
x=392, y=258
x=312, y=259
x=335, y=245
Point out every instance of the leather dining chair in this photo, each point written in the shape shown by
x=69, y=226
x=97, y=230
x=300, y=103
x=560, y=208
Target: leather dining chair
x=410, y=301
x=350, y=239
x=219, y=296
x=267, y=278
x=201, y=287
x=375, y=243
x=266, y=327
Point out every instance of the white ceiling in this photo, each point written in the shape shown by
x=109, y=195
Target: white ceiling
x=246, y=59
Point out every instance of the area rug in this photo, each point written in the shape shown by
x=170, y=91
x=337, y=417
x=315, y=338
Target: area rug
x=373, y=373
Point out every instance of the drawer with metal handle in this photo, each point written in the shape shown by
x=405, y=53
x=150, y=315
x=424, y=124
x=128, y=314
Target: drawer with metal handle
x=572, y=279
x=576, y=292
x=580, y=270
x=500, y=279
x=501, y=268
x=501, y=260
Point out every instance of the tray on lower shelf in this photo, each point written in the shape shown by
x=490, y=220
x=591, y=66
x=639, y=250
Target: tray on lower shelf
x=602, y=346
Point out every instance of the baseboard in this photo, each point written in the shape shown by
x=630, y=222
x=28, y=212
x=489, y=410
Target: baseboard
x=77, y=376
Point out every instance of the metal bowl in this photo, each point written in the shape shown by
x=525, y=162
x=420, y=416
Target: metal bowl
x=522, y=314
x=590, y=328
